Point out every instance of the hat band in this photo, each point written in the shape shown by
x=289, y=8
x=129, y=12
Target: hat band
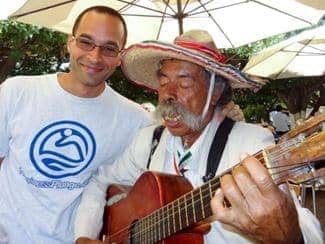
x=202, y=48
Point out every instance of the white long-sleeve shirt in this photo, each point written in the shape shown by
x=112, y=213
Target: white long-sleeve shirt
x=244, y=138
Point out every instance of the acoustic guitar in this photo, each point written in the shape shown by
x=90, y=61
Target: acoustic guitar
x=164, y=208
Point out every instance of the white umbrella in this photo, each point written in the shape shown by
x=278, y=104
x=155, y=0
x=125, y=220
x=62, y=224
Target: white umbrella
x=231, y=22
x=300, y=55
x=319, y=4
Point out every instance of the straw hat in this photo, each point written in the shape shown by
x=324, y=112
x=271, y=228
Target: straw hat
x=140, y=62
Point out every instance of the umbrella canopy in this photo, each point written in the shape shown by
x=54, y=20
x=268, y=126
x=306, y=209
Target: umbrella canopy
x=300, y=55
x=233, y=23
x=319, y=4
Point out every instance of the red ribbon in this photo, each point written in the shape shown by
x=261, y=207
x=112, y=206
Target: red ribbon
x=203, y=48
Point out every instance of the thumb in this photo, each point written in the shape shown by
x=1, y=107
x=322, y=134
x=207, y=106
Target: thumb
x=219, y=207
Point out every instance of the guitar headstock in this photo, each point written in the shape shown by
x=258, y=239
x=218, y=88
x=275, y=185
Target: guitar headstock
x=312, y=174
x=308, y=127
x=287, y=160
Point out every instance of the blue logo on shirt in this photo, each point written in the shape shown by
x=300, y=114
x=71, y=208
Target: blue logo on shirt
x=62, y=149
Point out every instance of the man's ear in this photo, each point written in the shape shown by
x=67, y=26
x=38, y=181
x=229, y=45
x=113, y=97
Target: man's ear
x=70, y=39
x=215, y=96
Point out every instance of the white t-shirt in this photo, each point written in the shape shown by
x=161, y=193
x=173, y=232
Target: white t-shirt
x=52, y=142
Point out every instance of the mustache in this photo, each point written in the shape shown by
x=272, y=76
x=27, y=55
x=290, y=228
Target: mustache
x=173, y=109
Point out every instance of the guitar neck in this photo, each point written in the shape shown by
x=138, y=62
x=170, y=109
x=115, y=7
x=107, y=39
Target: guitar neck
x=179, y=214
x=284, y=161
x=185, y=211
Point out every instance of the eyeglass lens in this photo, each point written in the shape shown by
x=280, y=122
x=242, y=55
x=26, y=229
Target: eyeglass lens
x=88, y=45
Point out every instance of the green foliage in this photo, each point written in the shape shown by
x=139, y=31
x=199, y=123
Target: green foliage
x=35, y=50
x=26, y=49
x=256, y=106
x=128, y=89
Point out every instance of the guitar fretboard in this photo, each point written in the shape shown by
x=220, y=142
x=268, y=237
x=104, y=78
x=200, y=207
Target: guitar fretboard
x=283, y=160
x=177, y=215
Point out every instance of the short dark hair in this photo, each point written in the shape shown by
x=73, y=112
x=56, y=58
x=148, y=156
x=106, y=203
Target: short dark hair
x=102, y=10
x=278, y=108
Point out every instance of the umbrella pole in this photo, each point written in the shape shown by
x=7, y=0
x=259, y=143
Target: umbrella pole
x=180, y=16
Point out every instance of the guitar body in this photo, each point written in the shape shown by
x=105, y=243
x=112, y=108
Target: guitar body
x=163, y=208
x=151, y=192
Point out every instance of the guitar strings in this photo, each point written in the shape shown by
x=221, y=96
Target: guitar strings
x=281, y=149
x=171, y=207
x=171, y=213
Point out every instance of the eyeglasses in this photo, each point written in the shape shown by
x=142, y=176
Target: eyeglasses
x=88, y=45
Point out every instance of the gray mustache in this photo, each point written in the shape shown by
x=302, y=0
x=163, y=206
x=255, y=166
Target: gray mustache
x=172, y=109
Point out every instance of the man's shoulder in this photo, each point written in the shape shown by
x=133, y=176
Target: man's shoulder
x=249, y=138
x=124, y=101
x=149, y=130
x=26, y=81
x=249, y=128
x=129, y=109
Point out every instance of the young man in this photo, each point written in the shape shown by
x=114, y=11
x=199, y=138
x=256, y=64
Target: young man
x=193, y=85
x=55, y=130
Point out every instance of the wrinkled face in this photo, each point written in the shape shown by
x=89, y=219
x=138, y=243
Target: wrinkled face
x=183, y=86
x=92, y=68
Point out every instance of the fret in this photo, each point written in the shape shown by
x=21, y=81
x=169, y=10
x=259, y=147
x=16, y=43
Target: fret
x=202, y=205
x=163, y=223
x=154, y=226
x=186, y=214
x=188, y=203
x=135, y=233
x=179, y=214
x=168, y=219
x=183, y=212
x=207, y=195
x=214, y=185
x=197, y=205
x=159, y=225
x=193, y=206
x=174, y=219
x=149, y=229
x=210, y=190
x=142, y=232
x=152, y=230
x=145, y=231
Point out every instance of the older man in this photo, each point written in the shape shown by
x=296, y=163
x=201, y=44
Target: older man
x=193, y=85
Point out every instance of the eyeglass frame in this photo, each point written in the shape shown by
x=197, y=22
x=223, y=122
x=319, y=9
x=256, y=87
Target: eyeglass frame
x=94, y=45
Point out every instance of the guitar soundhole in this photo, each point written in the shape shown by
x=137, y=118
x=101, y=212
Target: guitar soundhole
x=135, y=233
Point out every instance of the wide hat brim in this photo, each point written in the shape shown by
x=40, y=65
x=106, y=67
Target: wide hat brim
x=140, y=63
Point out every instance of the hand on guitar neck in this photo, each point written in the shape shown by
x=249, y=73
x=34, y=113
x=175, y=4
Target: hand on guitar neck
x=259, y=209
x=165, y=207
